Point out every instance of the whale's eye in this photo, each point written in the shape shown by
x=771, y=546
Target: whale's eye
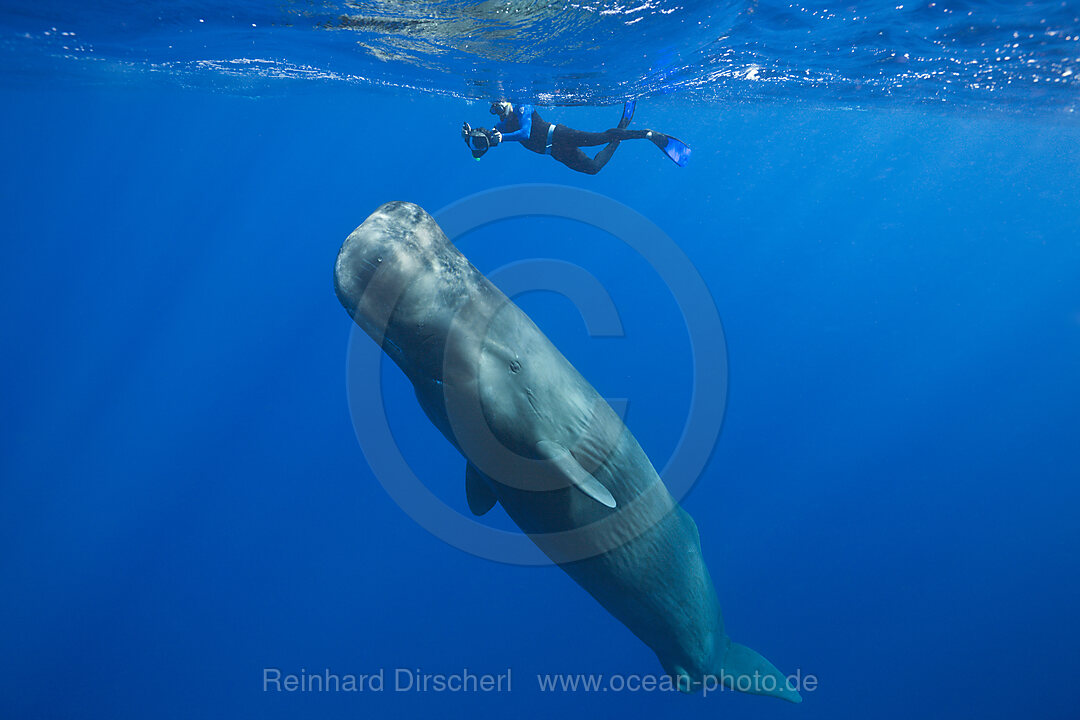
x=515, y=366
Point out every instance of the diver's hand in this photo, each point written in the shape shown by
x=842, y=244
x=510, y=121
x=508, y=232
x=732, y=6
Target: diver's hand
x=496, y=137
x=465, y=130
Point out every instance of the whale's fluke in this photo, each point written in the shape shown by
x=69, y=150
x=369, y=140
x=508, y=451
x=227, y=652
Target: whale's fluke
x=748, y=671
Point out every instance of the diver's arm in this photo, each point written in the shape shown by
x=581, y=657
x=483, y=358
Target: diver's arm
x=525, y=130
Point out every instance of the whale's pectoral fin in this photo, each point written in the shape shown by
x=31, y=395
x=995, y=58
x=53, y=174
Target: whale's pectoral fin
x=578, y=476
x=478, y=493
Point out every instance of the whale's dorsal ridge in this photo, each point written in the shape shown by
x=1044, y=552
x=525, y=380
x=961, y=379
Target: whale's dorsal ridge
x=578, y=476
x=478, y=493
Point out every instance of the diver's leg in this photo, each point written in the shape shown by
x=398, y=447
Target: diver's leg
x=624, y=134
x=575, y=159
x=579, y=138
x=604, y=155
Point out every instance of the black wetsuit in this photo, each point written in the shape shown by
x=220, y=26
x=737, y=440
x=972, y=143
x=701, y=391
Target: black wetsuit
x=524, y=125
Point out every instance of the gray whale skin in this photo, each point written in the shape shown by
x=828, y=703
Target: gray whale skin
x=540, y=440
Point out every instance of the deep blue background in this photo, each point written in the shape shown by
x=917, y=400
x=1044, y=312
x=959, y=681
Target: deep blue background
x=892, y=505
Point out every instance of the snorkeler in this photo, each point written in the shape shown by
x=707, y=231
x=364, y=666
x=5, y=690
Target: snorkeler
x=524, y=125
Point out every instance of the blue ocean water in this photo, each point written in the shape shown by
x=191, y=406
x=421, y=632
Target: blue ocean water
x=882, y=202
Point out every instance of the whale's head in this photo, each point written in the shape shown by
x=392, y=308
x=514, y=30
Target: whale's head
x=397, y=244
x=401, y=279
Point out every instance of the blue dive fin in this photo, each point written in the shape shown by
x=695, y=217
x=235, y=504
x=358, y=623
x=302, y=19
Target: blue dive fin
x=674, y=148
x=627, y=114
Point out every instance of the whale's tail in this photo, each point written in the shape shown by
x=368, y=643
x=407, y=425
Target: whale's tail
x=745, y=670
